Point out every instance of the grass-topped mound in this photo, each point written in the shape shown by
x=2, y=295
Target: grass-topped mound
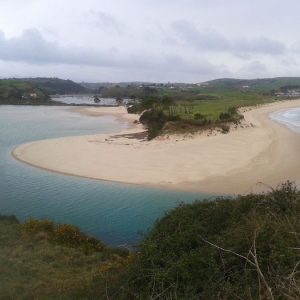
x=164, y=115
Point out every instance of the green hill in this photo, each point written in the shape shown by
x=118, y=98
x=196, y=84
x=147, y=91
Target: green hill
x=266, y=85
x=36, y=91
x=54, y=86
x=14, y=91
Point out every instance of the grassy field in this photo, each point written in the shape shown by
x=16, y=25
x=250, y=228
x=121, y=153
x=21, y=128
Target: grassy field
x=217, y=96
x=211, y=109
x=170, y=113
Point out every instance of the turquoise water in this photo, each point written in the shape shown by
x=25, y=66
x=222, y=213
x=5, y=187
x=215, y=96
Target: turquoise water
x=116, y=213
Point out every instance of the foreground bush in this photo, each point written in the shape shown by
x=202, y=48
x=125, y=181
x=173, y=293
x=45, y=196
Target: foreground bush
x=247, y=248
x=34, y=266
x=243, y=248
x=9, y=219
x=60, y=234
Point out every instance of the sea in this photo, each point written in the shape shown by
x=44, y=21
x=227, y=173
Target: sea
x=118, y=214
x=290, y=118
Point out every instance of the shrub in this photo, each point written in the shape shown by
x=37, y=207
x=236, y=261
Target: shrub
x=154, y=120
x=133, y=109
x=64, y=234
x=225, y=128
x=12, y=219
x=199, y=116
x=173, y=118
x=67, y=234
x=225, y=116
x=232, y=110
x=231, y=115
x=33, y=227
x=244, y=248
x=72, y=236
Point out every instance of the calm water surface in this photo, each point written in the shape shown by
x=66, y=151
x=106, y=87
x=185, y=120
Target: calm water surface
x=116, y=213
x=85, y=99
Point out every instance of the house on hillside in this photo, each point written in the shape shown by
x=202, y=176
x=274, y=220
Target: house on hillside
x=203, y=84
x=33, y=95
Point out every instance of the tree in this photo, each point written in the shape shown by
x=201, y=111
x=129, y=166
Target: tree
x=119, y=101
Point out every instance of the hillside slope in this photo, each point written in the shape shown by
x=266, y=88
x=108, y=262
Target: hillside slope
x=42, y=260
x=243, y=248
x=14, y=91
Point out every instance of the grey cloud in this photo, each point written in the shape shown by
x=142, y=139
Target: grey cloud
x=209, y=40
x=116, y=39
x=106, y=22
x=254, y=69
x=261, y=45
x=31, y=47
x=295, y=47
x=203, y=40
x=178, y=63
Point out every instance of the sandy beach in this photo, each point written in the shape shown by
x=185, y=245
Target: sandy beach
x=245, y=160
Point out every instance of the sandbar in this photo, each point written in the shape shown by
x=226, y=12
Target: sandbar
x=250, y=158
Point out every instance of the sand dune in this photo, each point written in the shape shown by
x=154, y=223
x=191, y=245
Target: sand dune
x=225, y=163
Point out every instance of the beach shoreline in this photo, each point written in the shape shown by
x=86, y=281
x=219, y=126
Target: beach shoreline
x=230, y=163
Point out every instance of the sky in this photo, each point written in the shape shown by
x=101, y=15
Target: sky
x=149, y=40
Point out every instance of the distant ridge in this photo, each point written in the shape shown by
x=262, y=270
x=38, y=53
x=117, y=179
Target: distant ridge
x=36, y=91
x=263, y=85
x=56, y=85
x=258, y=85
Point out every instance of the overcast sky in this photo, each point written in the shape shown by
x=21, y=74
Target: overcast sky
x=149, y=40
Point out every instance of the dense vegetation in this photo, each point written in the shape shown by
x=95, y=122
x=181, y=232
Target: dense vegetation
x=165, y=115
x=243, y=248
x=266, y=85
x=43, y=260
x=210, y=90
x=187, y=108
x=20, y=92
x=53, y=86
x=246, y=248
x=36, y=91
x=209, y=98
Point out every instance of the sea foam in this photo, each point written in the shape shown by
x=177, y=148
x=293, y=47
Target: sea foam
x=290, y=118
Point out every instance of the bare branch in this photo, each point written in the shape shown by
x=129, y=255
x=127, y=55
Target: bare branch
x=229, y=251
